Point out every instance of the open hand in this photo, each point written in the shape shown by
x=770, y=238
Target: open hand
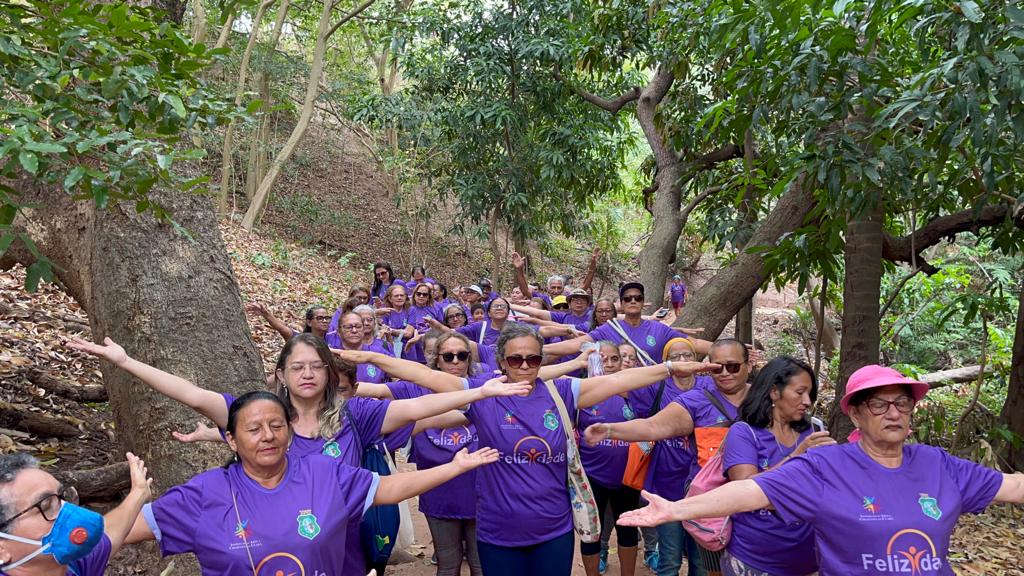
x=202, y=433
x=467, y=460
x=498, y=387
x=142, y=484
x=518, y=261
x=256, y=308
x=658, y=511
x=353, y=356
x=110, y=351
x=595, y=433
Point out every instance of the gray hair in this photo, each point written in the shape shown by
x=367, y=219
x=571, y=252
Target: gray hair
x=513, y=330
x=363, y=308
x=556, y=277
x=10, y=466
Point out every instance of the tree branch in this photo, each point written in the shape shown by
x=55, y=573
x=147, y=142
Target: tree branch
x=355, y=12
x=612, y=106
x=650, y=97
x=685, y=214
x=907, y=248
x=715, y=157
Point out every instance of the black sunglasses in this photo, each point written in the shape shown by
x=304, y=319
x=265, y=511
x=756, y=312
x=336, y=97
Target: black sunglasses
x=427, y=294
x=450, y=357
x=730, y=367
x=635, y=298
x=533, y=360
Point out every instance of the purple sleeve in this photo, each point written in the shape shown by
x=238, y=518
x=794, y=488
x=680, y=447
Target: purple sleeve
x=488, y=356
x=605, y=332
x=557, y=316
x=94, y=563
x=740, y=447
x=229, y=399
x=978, y=484
x=176, y=515
x=664, y=333
x=403, y=390
x=471, y=331
x=793, y=505
x=368, y=418
x=541, y=295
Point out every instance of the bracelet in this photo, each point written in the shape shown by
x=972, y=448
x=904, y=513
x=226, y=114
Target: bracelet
x=608, y=433
x=668, y=364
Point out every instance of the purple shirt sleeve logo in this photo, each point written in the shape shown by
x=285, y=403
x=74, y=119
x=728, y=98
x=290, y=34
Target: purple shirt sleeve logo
x=333, y=450
x=308, y=527
x=930, y=507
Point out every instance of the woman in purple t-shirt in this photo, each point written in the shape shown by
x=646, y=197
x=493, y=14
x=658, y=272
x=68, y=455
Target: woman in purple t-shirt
x=877, y=506
x=773, y=428
x=237, y=520
x=383, y=278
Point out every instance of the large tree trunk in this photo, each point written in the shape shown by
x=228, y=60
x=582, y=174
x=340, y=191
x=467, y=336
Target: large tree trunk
x=661, y=246
x=733, y=286
x=171, y=301
x=1013, y=410
x=862, y=290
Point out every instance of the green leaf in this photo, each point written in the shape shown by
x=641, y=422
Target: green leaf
x=970, y=10
x=175, y=103
x=5, y=242
x=254, y=106
x=839, y=7
x=44, y=147
x=36, y=272
x=73, y=177
x=164, y=160
x=29, y=161
x=1016, y=14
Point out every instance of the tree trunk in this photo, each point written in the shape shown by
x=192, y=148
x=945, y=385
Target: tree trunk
x=199, y=23
x=862, y=291
x=171, y=301
x=1013, y=410
x=225, y=32
x=661, y=246
x=728, y=290
x=259, y=202
x=829, y=337
x=745, y=322
x=227, y=159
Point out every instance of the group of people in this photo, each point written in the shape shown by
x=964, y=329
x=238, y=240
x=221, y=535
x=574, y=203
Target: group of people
x=519, y=412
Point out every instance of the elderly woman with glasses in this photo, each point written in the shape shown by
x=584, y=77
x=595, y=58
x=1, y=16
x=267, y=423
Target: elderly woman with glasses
x=682, y=420
x=524, y=520
x=876, y=506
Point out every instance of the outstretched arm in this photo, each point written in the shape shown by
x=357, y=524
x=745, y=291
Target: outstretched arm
x=118, y=522
x=404, y=485
x=206, y=402
x=403, y=412
x=519, y=263
x=414, y=372
x=258, y=308
x=591, y=270
x=566, y=347
x=728, y=499
x=532, y=312
x=596, y=390
x=1012, y=489
x=671, y=422
x=449, y=419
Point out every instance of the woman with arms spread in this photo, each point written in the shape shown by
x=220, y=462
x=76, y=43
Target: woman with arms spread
x=876, y=506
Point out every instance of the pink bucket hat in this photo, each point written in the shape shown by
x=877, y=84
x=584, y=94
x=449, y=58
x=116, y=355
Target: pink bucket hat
x=875, y=376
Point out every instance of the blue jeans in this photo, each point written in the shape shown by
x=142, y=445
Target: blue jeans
x=673, y=542
x=551, y=558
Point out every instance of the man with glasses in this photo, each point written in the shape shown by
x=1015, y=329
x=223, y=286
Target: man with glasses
x=649, y=337
x=44, y=532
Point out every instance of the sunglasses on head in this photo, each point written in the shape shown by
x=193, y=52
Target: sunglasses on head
x=450, y=357
x=730, y=367
x=533, y=360
x=633, y=298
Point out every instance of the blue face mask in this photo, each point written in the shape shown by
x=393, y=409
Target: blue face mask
x=75, y=532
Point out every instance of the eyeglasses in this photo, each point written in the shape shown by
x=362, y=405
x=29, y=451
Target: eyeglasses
x=454, y=316
x=48, y=506
x=634, y=298
x=299, y=367
x=730, y=367
x=353, y=327
x=450, y=357
x=381, y=272
x=321, y=318
x=687, y=356
x=424, y=294
x=533, y=360
x=879, y=406
x=499, y=307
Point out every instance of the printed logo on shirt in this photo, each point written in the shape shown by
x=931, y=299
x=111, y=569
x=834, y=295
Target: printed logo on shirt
x=242, y=530
x=511, y=422
x=452, y=437
x=627, y=412
x=281, y=564
x=873, y=511
x=308, y=527
x=909, y=551
x=650, y=340
x=533, y=450
x=331, y=449
x=371, y=371
x=550, y=420
x=930, y=507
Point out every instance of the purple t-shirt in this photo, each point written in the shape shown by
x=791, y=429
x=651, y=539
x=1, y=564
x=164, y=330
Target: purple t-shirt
x=606, y=462
x=761, y=538
x=523, y=498
x=488, y=358
x=455, y=498
x=473, y=332
x=677, y=292
x=580, y=322
x=869, y=519
x=417, y=317
x=642, y=399
x=650, y=336
x=673, y=460
x=325, y=497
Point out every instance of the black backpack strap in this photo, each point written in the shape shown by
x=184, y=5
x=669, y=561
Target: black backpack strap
x=717, y=404
x=656, y=407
